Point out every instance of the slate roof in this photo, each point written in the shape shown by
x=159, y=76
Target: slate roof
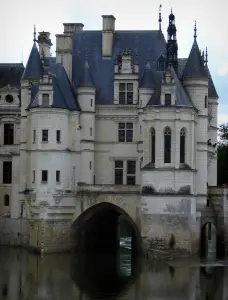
x=34, y=66
x=148, y=78
x=181, y=96
x=211, y=87
x=144, y=45
x=10, y=73
x=90, y=69
x=63, y=94
x=194, y=67
x=86, y=79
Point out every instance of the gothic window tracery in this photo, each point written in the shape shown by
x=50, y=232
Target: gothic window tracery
x=167, y=145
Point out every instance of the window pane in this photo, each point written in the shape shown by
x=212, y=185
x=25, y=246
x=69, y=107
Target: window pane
x=8, y=134
x=167, y=99
x=129, y=98
x=121, y=135
x=57, y=176
x=58, y=135
x=130, y=87
x=6, y=200
x=167, y=148
x=45, y=135
x=122, y=86
x=118, y=176
x=130, y=180
x=118, y=164
x=122, y=98
x=131, y=167
x=182, y=149
x=7, y=172
x=129, y=135
x=153, y=148
x=45, y=99
x=44, y=176
x=129, y=125
x=121, y=125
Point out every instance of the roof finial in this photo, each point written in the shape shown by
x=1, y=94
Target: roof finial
x=34, y=34
x=160, y=18
x=206, y=57
x=195, y=32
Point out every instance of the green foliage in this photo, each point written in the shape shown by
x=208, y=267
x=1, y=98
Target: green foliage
x=223, y=155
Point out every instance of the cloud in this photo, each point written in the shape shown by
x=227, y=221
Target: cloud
x=223, y=70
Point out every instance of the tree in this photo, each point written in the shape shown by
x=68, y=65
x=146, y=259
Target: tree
x=223, y=154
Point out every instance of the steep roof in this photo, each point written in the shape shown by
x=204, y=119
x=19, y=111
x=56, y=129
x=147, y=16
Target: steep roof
x=86, y=78
x=211, y=87
x=148, y=78
x=63, y=94
x=181, y=96
x=144, y=45
x=10, y=74
x=194, y=67
x=34, y=65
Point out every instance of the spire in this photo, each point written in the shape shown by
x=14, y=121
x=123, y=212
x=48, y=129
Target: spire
x=172, y=47
x=206, y=57
x=34, y=34
x=160, y=18
x=195, y=32
x=34, y=66
x=194, y=67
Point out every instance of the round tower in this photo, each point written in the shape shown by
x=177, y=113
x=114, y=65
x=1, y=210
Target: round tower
x=195, y=81
x=86, y=99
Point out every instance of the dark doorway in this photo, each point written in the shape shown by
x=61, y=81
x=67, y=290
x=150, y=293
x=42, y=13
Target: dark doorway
x=97, y=230
x=208, y=249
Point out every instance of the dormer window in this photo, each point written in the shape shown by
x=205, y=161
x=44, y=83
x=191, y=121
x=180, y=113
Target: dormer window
x=161, y=64
x=168, y=98
x=45, y=100
x=126, y=93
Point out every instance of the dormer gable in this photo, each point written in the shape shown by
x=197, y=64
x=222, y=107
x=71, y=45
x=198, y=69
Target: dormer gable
x=126, y=79
x=168, y=88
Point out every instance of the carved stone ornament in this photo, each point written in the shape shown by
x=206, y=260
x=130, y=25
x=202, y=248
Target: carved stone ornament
x=8, y=88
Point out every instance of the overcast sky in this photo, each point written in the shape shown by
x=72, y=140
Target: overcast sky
x=17, y=18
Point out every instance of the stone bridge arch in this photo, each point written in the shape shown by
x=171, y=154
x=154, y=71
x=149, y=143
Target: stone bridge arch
x=94, y=224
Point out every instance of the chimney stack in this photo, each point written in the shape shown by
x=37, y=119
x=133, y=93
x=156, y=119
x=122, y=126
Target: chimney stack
x=70, y=28
x=44, y=43
x=107, y=35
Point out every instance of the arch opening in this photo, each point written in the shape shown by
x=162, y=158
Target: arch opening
x=98, y=230
x=208, y=241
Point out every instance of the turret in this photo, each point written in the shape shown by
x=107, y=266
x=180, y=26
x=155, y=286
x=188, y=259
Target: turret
x=86, y=99
x=195, y=81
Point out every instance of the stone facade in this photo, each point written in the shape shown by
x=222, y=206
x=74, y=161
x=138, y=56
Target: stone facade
x=57, y=176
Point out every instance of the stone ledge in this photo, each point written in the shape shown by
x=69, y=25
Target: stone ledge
x=108, y=188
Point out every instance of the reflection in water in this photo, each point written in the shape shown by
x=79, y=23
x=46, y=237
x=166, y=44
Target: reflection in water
x=123, y=276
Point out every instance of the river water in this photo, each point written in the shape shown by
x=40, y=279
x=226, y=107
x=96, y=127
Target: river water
x=75, y=277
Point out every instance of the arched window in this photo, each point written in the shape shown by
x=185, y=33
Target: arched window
x=6, y=200
x=152, y=132
x=182, y=145
x=167, y=145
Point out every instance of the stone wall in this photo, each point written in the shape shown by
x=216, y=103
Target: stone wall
x=14, y=232
x=169, y=224
x=48, y=236
x=218, y=198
